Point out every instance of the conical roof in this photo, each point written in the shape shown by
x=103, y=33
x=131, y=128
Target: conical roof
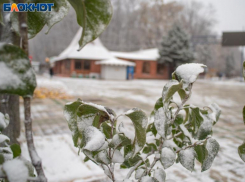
x=92, y=51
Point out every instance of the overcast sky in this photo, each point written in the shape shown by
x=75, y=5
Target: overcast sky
x=230, y=14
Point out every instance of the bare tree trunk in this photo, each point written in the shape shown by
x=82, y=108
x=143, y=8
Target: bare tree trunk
x=10, y=103
x=36, y=161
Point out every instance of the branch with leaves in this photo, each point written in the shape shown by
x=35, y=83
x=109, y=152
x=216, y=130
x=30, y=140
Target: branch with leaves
x=175, y=134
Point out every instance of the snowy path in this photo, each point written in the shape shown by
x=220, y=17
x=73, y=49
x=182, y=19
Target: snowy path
x=60, y=158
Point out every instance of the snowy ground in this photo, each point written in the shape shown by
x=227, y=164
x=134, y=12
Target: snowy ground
x=60, y=158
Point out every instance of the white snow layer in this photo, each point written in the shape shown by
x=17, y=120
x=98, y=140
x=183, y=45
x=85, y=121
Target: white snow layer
x=94, y=138
x=16, y=170
x=168, y=157
x=189, y=72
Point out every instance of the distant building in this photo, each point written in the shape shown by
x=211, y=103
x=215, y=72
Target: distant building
x=147, y=66
x=95, y=61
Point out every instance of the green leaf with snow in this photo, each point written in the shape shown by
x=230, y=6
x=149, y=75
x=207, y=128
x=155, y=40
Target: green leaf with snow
x=4, y=121
x=168, y=157
x=119, y=140
x=160, y=122
x=102, y=157
x=93, y=138
x=93, y=16
x=241, y=151
x=131, y=161
x=189, y=73
x=81, y=119
x=216, y=112
x=201, y=152
x=70, y=113
x=212, y=149
x=159, y=175
x=151, y=128
x=107, y=130
x=16, y=74
x=37, y=20
x=195, y=117
x=140, y=121
x=16, y=150
x=169, y=90
x=158, y=105
x=187, y=158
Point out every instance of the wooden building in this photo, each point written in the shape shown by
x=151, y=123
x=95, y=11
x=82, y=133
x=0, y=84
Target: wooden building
x=95, y=61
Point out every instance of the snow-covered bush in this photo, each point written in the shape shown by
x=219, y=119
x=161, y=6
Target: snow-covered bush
x=13, y=167
x=175, y=132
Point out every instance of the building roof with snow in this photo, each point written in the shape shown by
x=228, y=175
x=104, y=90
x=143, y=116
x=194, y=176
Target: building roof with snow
x=92, y=51
x=115, y=62
x=145, y=55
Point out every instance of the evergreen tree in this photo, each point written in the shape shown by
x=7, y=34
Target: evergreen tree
x=175, y=49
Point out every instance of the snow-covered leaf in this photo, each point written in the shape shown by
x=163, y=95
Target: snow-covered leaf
x=148, y=179
x=212, y=149
x=70, y=113
x=140, y=121
x=216, y=111
x=189, y=72
x=187, y=158
x=205, y=129
x=139, y=173
x=170, y=89
x=158, y=105
x=81, y=115
x=151, y=128
x=117, y=157
x=195, y=117
x=4, y=121
x=102, y=157
x=119, y=140
x=93, y=138
x=37, y=20
x=168, y=157
x=159, y=175
x=16, y=74
x=160, y=122
x=131, y=161
x=149, y=147
x=94, y=16
x=16, y=170
x=241, y=151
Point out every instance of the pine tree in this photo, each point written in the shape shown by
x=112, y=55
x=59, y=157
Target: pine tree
x=175, y=48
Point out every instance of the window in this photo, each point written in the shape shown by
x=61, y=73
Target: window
x=146, y=67
x=86, y=64
x=78, y=65
x=67, y=64
x=160, y=68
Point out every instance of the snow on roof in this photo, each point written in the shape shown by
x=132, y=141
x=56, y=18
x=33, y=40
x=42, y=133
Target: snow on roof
x=146, y=55
x=116, y=62
x=92, y=51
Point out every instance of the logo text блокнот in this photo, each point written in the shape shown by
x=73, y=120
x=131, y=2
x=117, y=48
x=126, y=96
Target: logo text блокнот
x=24, y=7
